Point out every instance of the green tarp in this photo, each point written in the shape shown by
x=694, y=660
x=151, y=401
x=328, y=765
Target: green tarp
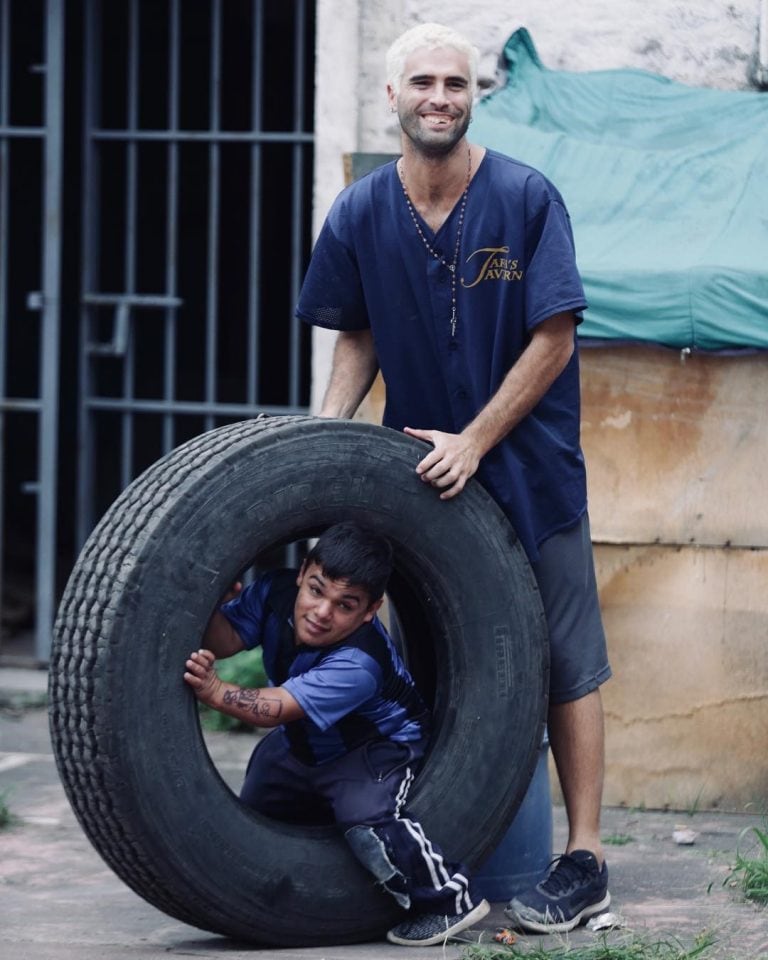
x=667, y=187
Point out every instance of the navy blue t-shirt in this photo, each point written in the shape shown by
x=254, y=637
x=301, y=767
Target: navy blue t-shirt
x=516, y=268
x=352, y=691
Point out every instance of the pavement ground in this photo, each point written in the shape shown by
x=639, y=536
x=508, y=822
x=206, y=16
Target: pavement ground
x=59, y=900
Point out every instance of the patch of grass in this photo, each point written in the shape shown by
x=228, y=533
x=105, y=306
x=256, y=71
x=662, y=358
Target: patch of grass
x=695, y=804
x=618, y=839
x=6, y=817
x=750, y=870
x=626, y=948
x=245, y=669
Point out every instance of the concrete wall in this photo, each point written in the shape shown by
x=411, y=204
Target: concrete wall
x=677, y=452
x=677, y=449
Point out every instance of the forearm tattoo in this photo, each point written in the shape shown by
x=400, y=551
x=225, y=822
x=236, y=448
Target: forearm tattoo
x=251, y=701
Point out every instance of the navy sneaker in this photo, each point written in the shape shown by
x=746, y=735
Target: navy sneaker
x=428, y=929
x=574, y=890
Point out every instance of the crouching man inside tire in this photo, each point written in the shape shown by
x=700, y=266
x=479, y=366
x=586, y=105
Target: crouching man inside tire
x=351, y=726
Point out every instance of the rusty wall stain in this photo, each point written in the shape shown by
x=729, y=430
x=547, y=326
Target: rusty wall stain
x=676, y=449
x=687, y=707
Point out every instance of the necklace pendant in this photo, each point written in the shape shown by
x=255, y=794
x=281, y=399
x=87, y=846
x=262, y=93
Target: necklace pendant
x=430, y=249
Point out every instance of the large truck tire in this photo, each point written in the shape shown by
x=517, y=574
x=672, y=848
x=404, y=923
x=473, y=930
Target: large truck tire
x=125, y=726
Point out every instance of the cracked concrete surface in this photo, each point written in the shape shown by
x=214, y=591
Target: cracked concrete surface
x=60, y=901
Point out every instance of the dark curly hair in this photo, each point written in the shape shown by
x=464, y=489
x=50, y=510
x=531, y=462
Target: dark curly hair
x=349, y=552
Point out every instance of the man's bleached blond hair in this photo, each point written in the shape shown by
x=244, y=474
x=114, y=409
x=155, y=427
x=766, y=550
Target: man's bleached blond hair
x=433, y=36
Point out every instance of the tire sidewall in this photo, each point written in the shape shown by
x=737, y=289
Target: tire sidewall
x=467, y=574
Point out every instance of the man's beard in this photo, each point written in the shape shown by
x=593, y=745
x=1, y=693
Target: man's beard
x=422, y=141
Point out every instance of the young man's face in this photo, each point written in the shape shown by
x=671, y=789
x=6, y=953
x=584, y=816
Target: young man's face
x=326, y=610
x=434, y=102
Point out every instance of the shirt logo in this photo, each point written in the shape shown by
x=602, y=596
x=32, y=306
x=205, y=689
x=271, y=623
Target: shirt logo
x=495, y=266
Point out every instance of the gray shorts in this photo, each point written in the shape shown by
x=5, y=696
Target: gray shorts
x=565, y=572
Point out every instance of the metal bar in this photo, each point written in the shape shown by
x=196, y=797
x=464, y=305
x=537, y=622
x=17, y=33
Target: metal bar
x=192, y=136
x=20, y=405
x=294, y=377
x=148, y=300
x=294, y=356
x=198, y=408
x=118, y=345
x=214, y=173
x=254, y=232
x=49, y=373
x=20, y=133
x=5, y=176
x=172, y=219
x=297, y=224
x=129, y=366
x=5, y=72
x=89, y=269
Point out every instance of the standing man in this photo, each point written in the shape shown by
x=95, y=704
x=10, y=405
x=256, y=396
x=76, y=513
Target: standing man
x=453, y=271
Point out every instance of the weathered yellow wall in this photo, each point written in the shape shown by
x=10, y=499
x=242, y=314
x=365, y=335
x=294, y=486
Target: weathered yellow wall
x=677, y=453
x=687, y=710
x=676, y=447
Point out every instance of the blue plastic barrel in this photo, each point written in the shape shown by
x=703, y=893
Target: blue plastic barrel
x=525, y=851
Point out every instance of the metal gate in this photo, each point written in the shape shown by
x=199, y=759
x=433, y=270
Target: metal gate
x=192, y=149
x=31, y=130
x=197, y=176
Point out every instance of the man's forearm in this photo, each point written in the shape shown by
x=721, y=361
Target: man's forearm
x=540, y=364
x=262, y=707
x=353, y=372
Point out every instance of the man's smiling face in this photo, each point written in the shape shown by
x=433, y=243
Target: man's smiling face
x=434, y=100
x=326, y=610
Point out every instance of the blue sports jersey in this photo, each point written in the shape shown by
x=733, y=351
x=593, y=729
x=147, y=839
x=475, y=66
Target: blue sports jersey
x=516, y=268
x=352, y=691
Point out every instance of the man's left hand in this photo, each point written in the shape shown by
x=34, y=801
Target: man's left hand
x=201, y=675
x=451, y=462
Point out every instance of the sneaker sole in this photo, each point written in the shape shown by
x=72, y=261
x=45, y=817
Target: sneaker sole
x=562, y=926
x=480, y=911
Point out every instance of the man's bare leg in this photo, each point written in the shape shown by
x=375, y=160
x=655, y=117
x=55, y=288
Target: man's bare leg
x=577, y=738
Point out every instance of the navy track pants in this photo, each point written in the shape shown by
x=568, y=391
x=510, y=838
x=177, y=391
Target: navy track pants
x=364, y=793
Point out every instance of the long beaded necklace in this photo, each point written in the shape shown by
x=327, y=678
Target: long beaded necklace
x=451, y=266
